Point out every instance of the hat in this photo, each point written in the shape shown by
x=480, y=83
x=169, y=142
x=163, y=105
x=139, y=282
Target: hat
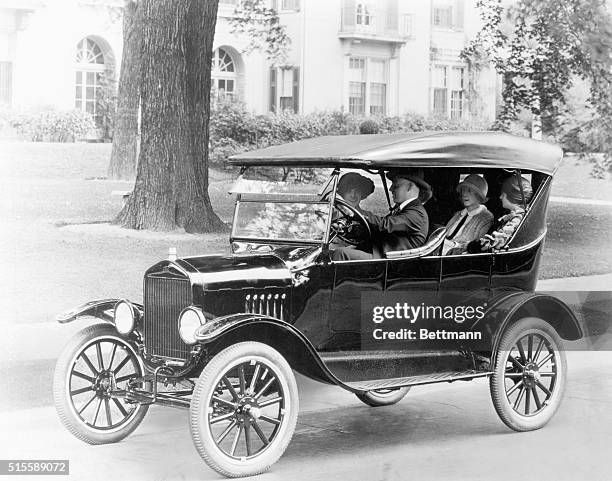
x=353, y=180
x=476, y=184
x=413, y=175
x=512, y=189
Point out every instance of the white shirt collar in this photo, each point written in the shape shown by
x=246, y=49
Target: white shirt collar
x=474, y=212
x=406, y=202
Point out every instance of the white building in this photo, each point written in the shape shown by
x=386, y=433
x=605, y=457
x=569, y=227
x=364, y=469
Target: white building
x=366, y=57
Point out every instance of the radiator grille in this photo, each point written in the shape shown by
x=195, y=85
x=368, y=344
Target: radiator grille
x=164, y=300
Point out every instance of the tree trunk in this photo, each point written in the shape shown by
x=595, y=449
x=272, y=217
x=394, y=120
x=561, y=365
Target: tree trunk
x=171, y=188
x=125, y=139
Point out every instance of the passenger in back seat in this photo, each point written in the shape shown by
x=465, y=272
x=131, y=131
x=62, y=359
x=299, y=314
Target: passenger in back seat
x=472, y=222
x=512, y=200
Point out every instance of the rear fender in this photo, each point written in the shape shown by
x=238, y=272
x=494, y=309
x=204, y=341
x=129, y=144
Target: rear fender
x=301, y=355
x=101, y=309
x=516, y=306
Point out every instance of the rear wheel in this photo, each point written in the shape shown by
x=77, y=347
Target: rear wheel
x=529, y=377
x=244, y=409
x=94, y=362
x=383, y=397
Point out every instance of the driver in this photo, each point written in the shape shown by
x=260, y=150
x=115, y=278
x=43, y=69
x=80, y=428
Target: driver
x=352, y=189
x=406, y=226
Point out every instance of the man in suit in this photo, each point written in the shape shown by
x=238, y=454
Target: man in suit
x=405, y=227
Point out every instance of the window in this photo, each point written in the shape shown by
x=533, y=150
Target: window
x=286, y=5
x=88, y=79
x=448, y=14
x=378, y=87
x=6, y=83
x=439, y=83
x=223, y=75
x=362, y=14
x=367, y=86
x=357, y=86
x=448, y=91
x=443, y=16
x=290, y=5
x=457, y=92
x=284, y=89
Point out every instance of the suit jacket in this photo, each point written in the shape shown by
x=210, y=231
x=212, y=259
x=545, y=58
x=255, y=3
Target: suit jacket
x=406, y=229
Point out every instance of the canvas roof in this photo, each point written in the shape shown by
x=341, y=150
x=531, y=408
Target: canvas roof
x=418, y=149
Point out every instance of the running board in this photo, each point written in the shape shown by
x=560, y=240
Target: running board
x=416, y=380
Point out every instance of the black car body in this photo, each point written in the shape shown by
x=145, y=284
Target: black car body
x=287, y=294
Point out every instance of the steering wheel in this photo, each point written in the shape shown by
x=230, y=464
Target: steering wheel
x=344, y=225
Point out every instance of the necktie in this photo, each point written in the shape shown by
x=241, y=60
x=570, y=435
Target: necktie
x=394, y=210
x=456, y=229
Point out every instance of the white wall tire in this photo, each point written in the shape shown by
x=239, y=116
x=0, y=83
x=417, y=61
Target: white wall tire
x=244, y=409
x=530, y=373
x=91, y=362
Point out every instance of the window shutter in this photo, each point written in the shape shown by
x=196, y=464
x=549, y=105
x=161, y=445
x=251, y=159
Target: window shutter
x=392, y=16
x=6, y=83
x=275, y=5
x=273, y=89
x=459, y=14
x=348, y=13
x=296, y=89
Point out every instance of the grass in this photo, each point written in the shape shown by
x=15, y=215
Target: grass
x=50, y=264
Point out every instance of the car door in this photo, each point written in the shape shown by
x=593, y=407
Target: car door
x=352, y=280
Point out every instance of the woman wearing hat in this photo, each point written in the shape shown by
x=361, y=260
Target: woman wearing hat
x=515, y=193
x=353, y=188
x=473, y=221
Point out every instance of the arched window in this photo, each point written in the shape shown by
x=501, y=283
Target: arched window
x=90, y=66
x=224, y=75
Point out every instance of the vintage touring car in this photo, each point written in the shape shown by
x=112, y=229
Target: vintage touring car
x=221, y=335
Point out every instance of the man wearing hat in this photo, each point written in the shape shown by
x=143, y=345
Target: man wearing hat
x=405, y=227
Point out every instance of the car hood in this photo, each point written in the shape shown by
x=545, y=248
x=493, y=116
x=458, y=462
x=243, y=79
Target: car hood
x=235, y=272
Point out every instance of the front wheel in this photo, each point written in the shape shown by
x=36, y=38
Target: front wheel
x=383, y=397
x=529, y=376
x=96, y=361
x=244, y=409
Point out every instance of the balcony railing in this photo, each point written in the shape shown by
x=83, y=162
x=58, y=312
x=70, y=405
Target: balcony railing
x=361, y=20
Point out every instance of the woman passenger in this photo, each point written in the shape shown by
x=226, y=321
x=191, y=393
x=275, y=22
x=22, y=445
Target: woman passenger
x=473, y=221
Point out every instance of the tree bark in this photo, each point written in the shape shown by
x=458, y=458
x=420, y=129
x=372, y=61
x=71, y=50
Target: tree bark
x=125, y=138
x=171, y=188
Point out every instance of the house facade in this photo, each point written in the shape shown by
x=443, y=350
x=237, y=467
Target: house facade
x=366, y=57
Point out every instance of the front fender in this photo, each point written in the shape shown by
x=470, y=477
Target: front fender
x=299, y=352
x=513, y=307
x=101, y=309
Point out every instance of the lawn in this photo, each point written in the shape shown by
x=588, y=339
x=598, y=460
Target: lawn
x=57, y=249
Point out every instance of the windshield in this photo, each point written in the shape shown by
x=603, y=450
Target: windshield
x=281, y=180
x=304, y=222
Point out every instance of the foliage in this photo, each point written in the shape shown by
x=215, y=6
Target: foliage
x=369, y=126
x=54, y=125
x=541, y=47
x=234, y=129
x=106, y=102
x=263, y=28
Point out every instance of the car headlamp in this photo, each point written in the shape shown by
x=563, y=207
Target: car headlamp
x=189, y=320
x=125, y=317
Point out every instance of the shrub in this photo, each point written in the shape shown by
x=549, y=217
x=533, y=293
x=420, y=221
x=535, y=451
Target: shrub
x=369, y=126
x=54, y=125
x=234, y=129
